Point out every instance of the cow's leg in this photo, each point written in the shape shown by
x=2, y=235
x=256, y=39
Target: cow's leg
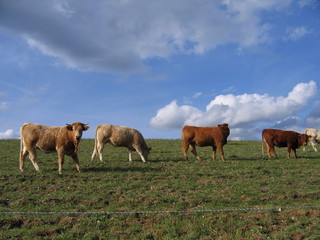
x=274, y=152
x=94, y=153
x=268, y=151
x=295, y=153
x=97, y=150
x=139, y=151
x=194, y=151
x=130, y=155
x=76, y=161
x=289, y=151
x=185, y=148
x=270, y=148
x=220, y=148
x=100, y=148
x=313, y=144
x=33, y=158
x=60, y=160
x=214, y=152
x=23, y=154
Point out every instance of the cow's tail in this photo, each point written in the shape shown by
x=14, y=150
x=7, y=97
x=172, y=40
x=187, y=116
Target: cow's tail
x=22, y=150
x=262, y=149
x=95, y=149
x=21, y=139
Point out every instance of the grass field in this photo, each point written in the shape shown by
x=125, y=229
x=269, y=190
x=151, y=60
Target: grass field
x=166, y=183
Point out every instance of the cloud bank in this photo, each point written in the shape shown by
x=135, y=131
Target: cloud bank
x=118, y=35
x=242, y=112
x=8, y=134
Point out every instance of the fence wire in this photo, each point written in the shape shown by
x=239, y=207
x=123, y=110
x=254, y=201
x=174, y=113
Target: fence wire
x=279, y=209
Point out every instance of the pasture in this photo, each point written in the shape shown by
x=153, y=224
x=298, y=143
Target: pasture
x=166, y=182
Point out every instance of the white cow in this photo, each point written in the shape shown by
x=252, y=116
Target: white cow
x=120, y=136
x=314, y=137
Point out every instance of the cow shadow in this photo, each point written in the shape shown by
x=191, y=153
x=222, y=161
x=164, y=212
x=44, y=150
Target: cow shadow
x=310, y=157
x=242, y=158
x=168, y=160
x=121, y=169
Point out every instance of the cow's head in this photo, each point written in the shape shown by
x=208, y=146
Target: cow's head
x=304, y=139
x=224, y=125
x=77, y=128
x=146, y=152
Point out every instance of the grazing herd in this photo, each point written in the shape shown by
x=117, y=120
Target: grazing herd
x=65, y=141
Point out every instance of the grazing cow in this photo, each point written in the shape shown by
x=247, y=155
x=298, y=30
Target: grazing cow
x=119, y=136
x=314, y=137
x=280, y=138
x=63, y=140
x=216, y=137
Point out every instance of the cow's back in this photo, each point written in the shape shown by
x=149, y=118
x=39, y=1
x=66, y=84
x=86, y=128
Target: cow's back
x=119, y=136
x=40, y=136
x=280, y=138
x=312, y=132
x=188, y=133
x=206, y=136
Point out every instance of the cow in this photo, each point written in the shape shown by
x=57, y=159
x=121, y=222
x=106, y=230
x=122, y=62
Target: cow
x=63, y=140
x=120, y=136
x=216, y=137
x=281, y=138
x=314, y=137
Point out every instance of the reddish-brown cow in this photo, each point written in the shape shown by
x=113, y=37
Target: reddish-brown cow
x=280, y=138
x=63, y=140
x=216, y=137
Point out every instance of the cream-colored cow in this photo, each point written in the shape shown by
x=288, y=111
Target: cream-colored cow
x=314, y=137
x=120, y=136
x=63, y=140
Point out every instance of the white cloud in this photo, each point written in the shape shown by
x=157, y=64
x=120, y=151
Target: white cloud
x=240, y=111
x=295, y=34
x=119, y=35
x=173, y=116
x=63, y=7
x=8, y=134
x=197, y=94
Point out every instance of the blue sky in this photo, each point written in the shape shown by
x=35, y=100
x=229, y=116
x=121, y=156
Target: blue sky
x=158, y=65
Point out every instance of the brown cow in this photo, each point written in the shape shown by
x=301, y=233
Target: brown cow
x=63, y=140
x=280, y=138
x=120, y=136
x=216, y=137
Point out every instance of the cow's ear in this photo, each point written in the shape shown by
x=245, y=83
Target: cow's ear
x=69, y=127
x=85, y=127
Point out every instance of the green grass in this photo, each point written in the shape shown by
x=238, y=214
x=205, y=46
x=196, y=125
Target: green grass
x=166, y=183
